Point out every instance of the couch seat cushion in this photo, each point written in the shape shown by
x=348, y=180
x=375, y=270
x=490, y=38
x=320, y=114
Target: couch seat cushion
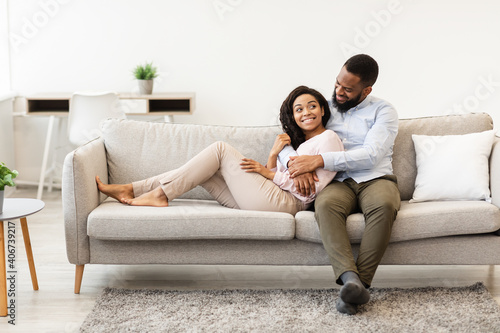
x=417, y=221
x=186, y=219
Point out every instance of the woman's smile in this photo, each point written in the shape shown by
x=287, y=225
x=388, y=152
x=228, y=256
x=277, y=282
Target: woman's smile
x=308, y=115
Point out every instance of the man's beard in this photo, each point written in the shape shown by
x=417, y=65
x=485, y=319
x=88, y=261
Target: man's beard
x=343, y=107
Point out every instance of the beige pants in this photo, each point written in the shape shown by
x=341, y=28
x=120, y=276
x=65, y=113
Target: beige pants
x=217, y=169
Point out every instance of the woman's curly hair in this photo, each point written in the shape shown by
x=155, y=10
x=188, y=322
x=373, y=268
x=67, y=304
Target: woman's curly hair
x=287, y=120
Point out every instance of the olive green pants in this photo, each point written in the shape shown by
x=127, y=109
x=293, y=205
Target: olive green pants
x=379, y=201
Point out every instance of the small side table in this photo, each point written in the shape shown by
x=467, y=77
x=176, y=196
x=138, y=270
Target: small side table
x=17, y=208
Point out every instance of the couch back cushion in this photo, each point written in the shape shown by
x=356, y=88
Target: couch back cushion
x=404, y=158
x=137, y=149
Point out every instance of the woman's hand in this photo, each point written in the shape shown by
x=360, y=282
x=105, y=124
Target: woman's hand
x=281, y=141
x=303, y=172
x=305, y=183
x=250, y=165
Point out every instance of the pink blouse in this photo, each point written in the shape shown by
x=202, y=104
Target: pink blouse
x=328, y=141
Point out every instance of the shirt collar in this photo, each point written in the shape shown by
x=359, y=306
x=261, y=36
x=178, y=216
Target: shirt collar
x=363, y=104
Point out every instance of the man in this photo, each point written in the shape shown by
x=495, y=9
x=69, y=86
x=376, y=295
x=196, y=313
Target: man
x=364, y=182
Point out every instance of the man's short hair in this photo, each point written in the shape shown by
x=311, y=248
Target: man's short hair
x=365, y=67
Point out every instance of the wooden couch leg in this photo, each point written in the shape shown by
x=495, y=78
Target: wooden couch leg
x=78, y=278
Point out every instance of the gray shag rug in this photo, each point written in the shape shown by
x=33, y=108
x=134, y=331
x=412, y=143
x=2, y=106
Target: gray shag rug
x=430, y=309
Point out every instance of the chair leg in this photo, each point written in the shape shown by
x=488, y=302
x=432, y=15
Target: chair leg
x=78, y=278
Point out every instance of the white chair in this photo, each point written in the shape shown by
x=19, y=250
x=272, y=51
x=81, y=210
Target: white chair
x=87, y=110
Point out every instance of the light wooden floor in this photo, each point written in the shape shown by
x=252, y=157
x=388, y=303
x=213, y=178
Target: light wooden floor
x=55, y=308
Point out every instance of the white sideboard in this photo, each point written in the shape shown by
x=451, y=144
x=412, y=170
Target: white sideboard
x=159, y=104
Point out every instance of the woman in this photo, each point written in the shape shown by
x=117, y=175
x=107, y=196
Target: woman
x=242, y=183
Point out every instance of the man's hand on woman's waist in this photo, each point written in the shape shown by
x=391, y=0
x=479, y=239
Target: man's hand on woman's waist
x=302, y=170
x=299, y=165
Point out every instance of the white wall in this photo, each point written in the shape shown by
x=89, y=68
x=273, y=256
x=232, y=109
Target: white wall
x=4, y=49
x=243, y=57
x=7, y=154
x=6, y=97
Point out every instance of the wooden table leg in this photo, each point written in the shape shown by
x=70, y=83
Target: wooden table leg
x=3, y=275
x=29, y=252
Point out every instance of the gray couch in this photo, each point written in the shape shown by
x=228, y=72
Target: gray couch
x=196, y=230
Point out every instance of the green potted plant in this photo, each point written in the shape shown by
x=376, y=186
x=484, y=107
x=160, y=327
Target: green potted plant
x=6, y=179
x=145, y=75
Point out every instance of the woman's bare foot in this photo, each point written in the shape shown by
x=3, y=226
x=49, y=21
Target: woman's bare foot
x=116, y=191
x=155, y=198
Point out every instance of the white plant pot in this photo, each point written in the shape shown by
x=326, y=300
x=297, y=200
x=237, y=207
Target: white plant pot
x=145, y=87
x=1, y=201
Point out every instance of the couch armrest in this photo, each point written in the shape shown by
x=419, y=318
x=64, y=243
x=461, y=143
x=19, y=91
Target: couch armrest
x=495, y=172
x=80, y=196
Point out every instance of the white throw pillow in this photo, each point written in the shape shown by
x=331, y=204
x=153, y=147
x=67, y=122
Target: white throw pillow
x=453, y=167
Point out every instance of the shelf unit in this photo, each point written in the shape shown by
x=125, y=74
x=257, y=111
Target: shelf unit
x=48, y=104
x=158, y=104
x=162, y=104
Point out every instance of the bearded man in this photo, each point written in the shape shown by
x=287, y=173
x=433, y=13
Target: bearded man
x=364, y=183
